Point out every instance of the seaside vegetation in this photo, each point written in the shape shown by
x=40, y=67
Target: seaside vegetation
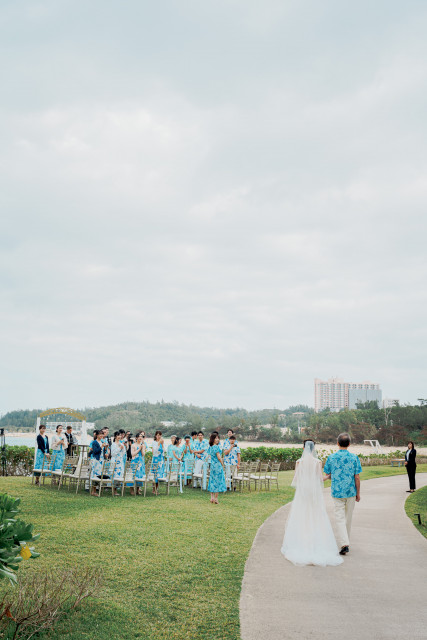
x=172, y=566
x=392, y=426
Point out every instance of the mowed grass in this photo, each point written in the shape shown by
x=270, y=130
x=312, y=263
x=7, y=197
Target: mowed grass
x=417, y=503
x=172, y=565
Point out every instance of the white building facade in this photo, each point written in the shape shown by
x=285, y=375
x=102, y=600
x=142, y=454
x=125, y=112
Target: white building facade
x=336, y=394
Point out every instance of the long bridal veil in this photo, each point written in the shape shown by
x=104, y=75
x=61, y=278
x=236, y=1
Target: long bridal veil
x=309, y=538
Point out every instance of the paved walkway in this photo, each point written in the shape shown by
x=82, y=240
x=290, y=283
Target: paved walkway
x=378, y=593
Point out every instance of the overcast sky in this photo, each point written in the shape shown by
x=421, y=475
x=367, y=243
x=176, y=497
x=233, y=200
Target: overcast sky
x=211, y=202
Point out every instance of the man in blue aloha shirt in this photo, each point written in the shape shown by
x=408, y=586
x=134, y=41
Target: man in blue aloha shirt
x=226, y=446
x=343, y=468
x=231, y=451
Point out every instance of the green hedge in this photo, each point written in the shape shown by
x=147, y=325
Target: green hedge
x=19, y=461
x=264, y=454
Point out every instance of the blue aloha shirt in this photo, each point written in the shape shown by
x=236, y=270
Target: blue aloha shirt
x=232, y=456
x=343, y=466
x=202, y=446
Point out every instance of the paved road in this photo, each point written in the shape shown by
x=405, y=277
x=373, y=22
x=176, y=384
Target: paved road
x=378, y=593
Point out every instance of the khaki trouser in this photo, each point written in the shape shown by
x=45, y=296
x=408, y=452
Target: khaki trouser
x=343, y=513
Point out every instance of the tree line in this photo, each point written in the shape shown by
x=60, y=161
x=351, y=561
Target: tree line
x=392, y=426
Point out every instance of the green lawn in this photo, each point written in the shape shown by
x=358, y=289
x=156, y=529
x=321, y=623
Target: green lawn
x=173, y=565
x=417, y=503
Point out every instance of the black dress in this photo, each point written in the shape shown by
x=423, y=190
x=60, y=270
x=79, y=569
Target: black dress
x=411, y=467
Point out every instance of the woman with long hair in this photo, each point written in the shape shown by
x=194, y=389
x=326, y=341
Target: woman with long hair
x=217, y=482
x=158, y=459
x=118, y=451
x=411, y=465
x=59, y=444
x=42, y=450
x=138, y=458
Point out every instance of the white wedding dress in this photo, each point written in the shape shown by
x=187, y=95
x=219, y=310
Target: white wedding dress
x=309, y=538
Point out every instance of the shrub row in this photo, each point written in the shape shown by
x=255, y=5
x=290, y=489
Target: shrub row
x=19, y=460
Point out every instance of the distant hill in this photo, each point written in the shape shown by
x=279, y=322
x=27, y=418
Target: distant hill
x=148, y=416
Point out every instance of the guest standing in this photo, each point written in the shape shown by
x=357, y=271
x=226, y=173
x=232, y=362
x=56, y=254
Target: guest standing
x=158, y=459
x=118, y=450
x=411, y=465
x=59, y=445
x=138, y=457
x=97, y=447
x=169, y=455
x=217, y=475
x=200, y=452
x=42, y=450
x=71, y=441
x=176, y=451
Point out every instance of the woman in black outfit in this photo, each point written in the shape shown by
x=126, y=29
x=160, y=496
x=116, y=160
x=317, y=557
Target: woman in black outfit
x=411, y=465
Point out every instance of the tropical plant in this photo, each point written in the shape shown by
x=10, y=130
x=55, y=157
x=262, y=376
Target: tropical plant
x=15, y=538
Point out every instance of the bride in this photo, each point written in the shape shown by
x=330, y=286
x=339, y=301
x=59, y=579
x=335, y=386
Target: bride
x=309, y=538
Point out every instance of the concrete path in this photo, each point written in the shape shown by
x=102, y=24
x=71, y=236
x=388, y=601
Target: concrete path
x=378, y=593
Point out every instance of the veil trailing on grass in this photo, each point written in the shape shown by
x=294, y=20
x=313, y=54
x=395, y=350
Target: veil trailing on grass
x=309, y=538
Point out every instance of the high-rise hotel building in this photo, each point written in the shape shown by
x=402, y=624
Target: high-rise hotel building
x=336, y=394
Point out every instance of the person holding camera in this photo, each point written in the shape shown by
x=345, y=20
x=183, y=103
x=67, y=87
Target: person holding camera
x=232, y=452
x=130, y=441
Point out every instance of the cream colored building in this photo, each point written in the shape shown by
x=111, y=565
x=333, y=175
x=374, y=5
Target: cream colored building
x=336, y=394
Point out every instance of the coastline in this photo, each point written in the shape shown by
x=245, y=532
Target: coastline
x=361, y=449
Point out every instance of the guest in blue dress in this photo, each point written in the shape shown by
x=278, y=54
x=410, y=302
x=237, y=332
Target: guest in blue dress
x=187, y=456
x=117, y=451
x=169, y=455
x=138, y=458
x=96, y=456
x=217, y=482
x=42, y=450
x=59, y=445
x=158, y=459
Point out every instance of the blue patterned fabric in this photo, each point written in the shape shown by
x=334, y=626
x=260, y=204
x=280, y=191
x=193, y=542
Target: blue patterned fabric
x=39, y=455
x=96, y=467
x=188, y=455
x=177, y=451
x=217, y=477
x=202, y=446
x=159, y=458
x=117, y=459
x=343, y=466
x=232, y=456
x=139, y=460
x=59, y=459
x=169, y=452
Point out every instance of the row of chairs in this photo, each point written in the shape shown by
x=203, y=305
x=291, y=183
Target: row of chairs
x=256, y=474
x=77, y=472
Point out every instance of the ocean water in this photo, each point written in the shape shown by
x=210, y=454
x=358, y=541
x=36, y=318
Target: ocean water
x=24, y=441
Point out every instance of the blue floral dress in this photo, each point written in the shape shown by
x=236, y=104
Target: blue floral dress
x=59, y=458
x=158, y=457
x=96, y=461
x=40, y=454
x=117, y=459
x=217, y=477
x=139, y=461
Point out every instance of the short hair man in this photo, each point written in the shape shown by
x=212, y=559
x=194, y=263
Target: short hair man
x=71, y=440
x=343, y=468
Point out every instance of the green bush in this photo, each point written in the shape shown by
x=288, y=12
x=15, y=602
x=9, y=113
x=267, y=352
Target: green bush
x=15, y=536
x=250, y=454
x=19, y=461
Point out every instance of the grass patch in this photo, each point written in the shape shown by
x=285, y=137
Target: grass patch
x=417, y=503
x=173, y=566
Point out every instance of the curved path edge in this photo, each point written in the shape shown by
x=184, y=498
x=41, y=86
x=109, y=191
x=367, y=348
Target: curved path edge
x=380, y=591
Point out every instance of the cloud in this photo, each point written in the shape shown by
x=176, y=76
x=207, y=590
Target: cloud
x=215, y=205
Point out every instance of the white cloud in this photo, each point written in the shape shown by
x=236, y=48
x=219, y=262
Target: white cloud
x=217, y=217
